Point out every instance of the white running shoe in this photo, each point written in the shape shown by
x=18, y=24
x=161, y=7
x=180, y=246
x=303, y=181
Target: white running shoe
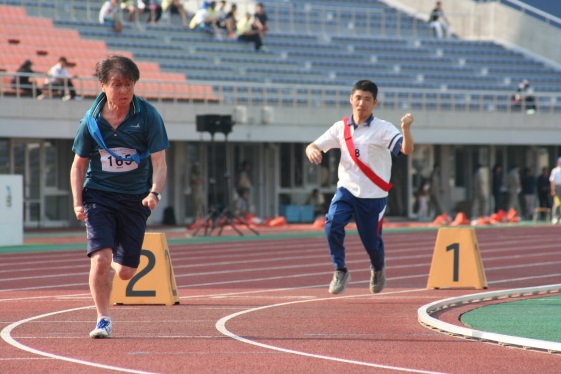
x=102, y=329
x=339, y=281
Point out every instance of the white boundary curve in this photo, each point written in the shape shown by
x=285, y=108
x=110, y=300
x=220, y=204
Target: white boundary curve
x=7, y=337
x=221, y=327
x=424, y=315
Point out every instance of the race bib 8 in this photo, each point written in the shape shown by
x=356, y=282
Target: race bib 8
x=110, y=163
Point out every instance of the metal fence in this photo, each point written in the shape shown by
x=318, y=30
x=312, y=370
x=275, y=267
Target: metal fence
x=289, y=96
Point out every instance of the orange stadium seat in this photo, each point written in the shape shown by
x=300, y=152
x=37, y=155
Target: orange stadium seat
x=87, y=88
x=20, y=40
x=93, y=44
x=10, y=12
x=149, y=70
x=32, y=22
x=119, y=52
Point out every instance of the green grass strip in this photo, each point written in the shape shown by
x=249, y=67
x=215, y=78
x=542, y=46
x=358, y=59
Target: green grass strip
x=538, y=318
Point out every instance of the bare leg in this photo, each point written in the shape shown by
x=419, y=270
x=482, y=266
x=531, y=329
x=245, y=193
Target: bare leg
x=101, y=280
x=102, y=271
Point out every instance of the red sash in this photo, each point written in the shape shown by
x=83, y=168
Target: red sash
x=365, y=169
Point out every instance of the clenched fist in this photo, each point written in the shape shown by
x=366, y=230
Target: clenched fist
x=407, y=120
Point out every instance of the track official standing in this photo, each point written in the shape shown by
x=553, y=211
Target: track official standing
x=117, y=176
x=367, y=146
x=555, y=180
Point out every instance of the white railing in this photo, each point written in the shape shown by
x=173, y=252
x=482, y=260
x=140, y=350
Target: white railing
x=290, y=96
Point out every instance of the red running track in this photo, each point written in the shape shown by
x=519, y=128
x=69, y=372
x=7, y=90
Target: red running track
x=262, y=306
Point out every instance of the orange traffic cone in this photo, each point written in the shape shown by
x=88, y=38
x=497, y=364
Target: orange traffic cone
x=502, y=215
x=483, y=221
x=319, y=223
x=441, y=220
x=512, y=216
x=498, y=217
x=460, y=219
x=279, y=221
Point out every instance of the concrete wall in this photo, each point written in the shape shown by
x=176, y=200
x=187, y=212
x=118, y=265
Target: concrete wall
x=53, y=119
x=495, y=21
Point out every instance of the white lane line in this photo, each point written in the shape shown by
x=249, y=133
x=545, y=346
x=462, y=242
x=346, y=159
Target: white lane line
x=24, y=358
x=81, y=295
x=60, y=275
x=5, y=334
x=7, y=337
x=57, y=286
x=221, y=326
x=251, y=280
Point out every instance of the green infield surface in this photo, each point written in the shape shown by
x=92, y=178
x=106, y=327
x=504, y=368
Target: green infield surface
x=538, y=318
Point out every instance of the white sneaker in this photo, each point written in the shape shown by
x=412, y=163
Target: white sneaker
x=40, y=97
x=102, y=329
x=66, y=98
x=339, y=281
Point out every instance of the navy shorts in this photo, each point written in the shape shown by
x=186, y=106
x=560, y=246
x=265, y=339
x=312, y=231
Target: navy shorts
x=116, y=221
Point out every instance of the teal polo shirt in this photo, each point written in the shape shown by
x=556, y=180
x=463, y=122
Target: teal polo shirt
x=142, y=130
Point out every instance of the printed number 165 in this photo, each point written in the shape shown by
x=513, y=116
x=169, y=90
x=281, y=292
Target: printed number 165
x=119, y=162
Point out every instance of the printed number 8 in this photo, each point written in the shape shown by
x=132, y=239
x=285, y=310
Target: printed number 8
x=357, y=153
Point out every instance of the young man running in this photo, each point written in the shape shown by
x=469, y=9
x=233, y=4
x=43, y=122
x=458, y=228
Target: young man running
x=367, y=146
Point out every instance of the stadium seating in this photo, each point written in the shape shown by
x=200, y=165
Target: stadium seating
x=24, y=37
x=337, y=43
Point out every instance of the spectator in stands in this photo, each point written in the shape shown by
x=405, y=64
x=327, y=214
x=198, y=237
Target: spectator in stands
x=555, y=185
x=544, y=189
x=480, y=192
x=513, y=188
x=243, y=181
x=317, y=200
x=25, y=84
x=221, y=11
x=110, y=14
x=242, y=206
x=260, y=20
x=439, y=23
x=154, y=10
x=247, y=33
x=528, y=185
x=436, y=191
x=230, y=21
x=523, y=98
x=59, y=81
x=175, y=7
x=227, y=20
x=206, y=19
x=198, y=199
x=423, y=198
x=497, y=187
x=134, y=8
